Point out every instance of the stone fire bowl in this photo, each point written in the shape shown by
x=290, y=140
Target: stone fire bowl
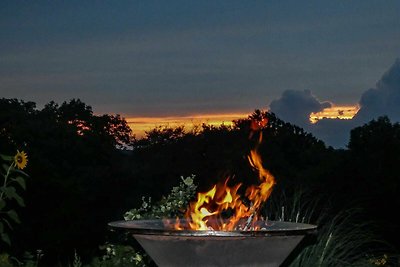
x=269, y=246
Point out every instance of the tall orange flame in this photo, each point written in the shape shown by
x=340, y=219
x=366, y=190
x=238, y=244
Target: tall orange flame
x=210, y=208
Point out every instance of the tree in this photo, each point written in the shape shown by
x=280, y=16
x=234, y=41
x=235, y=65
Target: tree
x=75, y=164
x=375, y=149
x=375, y=166
x=15, y=117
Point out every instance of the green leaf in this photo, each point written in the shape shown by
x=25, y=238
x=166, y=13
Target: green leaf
x=1, y=227
x=19, y=200
x=20, y=181
x=2, y=204
x=5, y=238
x=5, y=167
x=4, y=189
x=12, y=194
x=9, y=191
x=6, y=158
x=20, y=172
x=8, y=223
x=14, y=216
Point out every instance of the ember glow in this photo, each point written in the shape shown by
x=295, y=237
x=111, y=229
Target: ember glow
x=207, y=212
x=335, y=112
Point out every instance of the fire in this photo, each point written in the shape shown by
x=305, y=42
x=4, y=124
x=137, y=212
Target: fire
x=210, y=208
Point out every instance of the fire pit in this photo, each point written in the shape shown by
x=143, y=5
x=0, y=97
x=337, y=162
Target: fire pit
x=206, y=237
x=267, y=246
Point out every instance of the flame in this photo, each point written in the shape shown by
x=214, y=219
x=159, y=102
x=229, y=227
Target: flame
x=210, y=208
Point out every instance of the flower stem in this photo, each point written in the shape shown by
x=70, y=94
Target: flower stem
x=5, y=179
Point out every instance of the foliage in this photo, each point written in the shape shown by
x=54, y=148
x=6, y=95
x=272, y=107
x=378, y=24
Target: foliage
x=77, y=158
x=374, y=166
x=168, y=207
x=84, y=177
x=345, y=240
x=297, y=205
x=172, y=205
x=377, y=146
x=13, y=180
x=160, y=136
x=119, y=256
x=5, y=260
x=77, y=260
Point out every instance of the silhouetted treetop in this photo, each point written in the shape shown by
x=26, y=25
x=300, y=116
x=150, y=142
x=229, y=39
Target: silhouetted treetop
x=375, y=149
x=20, y=121
x=375, y=135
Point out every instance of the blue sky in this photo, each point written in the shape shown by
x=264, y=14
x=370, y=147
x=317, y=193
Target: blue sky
x=172, y=58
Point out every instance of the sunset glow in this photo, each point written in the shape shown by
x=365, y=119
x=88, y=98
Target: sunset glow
x=140, y=125
x=335, y=112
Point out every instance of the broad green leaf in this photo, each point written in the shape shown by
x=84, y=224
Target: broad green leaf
x=5, y=238
x=2, y=204
x=20, y=172
x=7, y=158
x=4, y=189
x=21, y=182
x=5, y=167
x=8, y=223
x=9, y=191
x=14, y=216
x=19, y=200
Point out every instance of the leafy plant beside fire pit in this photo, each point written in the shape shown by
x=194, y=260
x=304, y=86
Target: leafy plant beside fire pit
x=172, y=205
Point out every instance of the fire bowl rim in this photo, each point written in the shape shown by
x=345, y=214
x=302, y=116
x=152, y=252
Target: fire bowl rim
x=296, y=230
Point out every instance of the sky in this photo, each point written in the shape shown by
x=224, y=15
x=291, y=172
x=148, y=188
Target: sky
x=157, y=59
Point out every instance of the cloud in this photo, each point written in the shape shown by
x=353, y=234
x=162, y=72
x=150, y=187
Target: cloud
x=375, y=102
x=384, y=99
x=296, y=106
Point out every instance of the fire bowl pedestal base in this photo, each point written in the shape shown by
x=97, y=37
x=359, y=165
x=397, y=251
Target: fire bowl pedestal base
x=168, y=247
x=218, y=251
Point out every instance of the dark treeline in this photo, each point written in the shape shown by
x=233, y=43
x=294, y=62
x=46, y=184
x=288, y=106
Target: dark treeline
x=82, y=176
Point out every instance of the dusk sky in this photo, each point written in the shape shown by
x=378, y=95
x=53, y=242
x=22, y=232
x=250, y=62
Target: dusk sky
x=184, y=58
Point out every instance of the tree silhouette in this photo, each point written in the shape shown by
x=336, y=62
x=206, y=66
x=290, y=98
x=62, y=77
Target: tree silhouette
x=375, y=149
x=74, y=167
x=375, y=153
x=83, y=177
